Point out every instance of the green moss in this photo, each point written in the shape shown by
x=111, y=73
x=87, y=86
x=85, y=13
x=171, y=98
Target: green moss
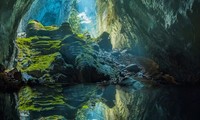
x=32, y=22
x=42, y=62
x=39, y=99
x=85, y=107
x=26, y=40
x=50, y=28
x=39, y=25
x=31, y=52
x=36, y=24
x=47, y=45
x=26, y=96
x=81, y=36
x=52, y=100
x=25, y=52
x=44, y=37
x=54, y=117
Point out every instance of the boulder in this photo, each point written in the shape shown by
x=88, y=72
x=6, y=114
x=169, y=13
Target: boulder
x=95, y=47
x=116, y=54
x=64, y=29
x=83, y=57
x=130, y=82
x=90, y=70
x=62, y=72
x=133, y=68
x=71, y=39
x=59, y=66
x=104, y=41
x=71, y=48
x=2, y=68
x=11, y=80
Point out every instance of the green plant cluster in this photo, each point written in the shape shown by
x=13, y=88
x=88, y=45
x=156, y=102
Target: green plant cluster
x=74, y=21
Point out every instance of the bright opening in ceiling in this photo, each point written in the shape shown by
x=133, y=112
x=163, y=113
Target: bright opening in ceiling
x=55, y=12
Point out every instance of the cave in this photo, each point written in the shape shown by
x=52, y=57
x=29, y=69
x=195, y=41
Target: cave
x=99, y=59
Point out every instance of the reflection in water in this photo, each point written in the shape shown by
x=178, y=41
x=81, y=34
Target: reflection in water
x=8, y=109
x=87, y=102
x=156, y=104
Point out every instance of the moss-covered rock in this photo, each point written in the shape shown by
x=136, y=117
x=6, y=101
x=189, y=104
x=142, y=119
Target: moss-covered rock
x=33, y=53
x=71, y=58
x=82, y=55
x=38, y=54
x=90, y=69
x=31, y=60
x=35, y=28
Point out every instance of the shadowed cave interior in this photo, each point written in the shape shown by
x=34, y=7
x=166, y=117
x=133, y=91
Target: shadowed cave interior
x=99, y=59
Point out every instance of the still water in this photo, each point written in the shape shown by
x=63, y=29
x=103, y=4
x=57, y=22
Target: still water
x=93, y=102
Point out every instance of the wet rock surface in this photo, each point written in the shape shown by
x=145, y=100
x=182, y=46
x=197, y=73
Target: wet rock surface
x=133, y=68
x=164, y=31
x=10, y=81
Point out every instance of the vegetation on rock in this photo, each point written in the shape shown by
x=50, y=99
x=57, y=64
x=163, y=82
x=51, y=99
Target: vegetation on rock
x=39, y=26
x=32, y=55
x=74, y=21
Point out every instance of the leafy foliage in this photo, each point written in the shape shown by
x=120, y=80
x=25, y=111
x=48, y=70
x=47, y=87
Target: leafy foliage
x=74, y=21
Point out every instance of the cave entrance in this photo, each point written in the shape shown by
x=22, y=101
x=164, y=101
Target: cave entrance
x=80, y=14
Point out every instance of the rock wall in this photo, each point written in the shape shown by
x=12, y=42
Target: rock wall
x=11, y=13
x=166, y=31
x=48, y=12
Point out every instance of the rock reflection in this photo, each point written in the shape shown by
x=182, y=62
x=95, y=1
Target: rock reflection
x=167, y=103
x=8, y=109
x=88, y=102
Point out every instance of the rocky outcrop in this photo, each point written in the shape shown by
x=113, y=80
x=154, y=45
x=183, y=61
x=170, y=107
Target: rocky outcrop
x=77, y=52
x=39, y=58
x=167, y=32
x=35, y=28
x=51, y=54
x=104, y=41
